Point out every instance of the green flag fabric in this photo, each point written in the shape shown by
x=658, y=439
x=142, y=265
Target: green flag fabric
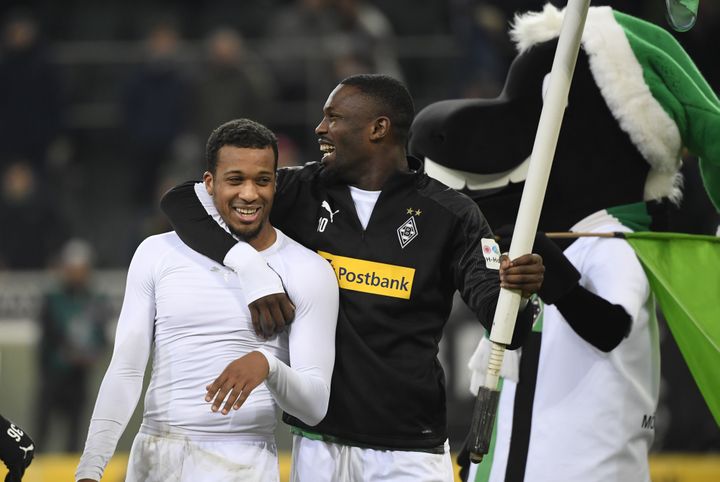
x=684, y=273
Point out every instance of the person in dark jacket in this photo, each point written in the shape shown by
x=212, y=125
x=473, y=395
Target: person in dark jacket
x=73, y=319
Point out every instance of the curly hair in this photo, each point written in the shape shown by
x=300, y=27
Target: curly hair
x=239, y=133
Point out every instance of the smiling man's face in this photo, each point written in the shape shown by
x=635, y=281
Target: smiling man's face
x=344, y=134
x=243, y=188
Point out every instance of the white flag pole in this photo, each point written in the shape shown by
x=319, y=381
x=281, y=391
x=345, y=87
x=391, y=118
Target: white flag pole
x=528, y=214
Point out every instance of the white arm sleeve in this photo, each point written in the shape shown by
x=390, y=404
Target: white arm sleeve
x=255, y=275
x=627, y=287
x=121, y=387
x=303, y=388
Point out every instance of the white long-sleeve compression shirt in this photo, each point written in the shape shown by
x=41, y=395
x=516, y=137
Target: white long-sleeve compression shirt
x=192, y=312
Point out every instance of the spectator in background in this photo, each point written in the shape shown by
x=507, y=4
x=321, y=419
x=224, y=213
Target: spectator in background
x=480, y=29
x=32, y=229
x=288, y=152
x=302, y=63
x=234, y=83
x=156, y=108
x=313, y=44
x=328, y=40
x=351, y=60
x=367, y=34
x=30, y=103
x=298, y=30
x=73, y=321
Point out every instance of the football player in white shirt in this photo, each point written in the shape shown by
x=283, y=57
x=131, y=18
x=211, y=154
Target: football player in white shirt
x=210, y=408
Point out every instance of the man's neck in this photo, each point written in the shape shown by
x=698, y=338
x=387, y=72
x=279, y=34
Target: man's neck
x=264, y=239
x=380, y=169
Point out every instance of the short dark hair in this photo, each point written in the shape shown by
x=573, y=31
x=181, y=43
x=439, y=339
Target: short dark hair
x=393, y=98
x=239, y=133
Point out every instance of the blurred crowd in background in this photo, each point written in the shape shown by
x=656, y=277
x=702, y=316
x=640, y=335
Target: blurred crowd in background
x=105, y=105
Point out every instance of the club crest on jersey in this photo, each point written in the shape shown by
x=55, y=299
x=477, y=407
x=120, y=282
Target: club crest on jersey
x=407, y=232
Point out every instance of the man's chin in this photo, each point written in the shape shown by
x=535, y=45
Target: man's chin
x=248, y=234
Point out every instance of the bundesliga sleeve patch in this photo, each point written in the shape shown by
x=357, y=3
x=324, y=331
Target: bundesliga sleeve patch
x=371, y=277
x=491, y=252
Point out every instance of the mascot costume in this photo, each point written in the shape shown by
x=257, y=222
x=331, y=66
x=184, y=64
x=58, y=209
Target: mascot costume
x=578, y=401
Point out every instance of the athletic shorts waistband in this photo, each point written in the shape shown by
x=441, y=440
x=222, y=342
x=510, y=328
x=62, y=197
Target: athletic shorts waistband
x=184, y=434
x=440, y=449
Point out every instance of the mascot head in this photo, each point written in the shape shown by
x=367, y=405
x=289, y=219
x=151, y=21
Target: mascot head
x=636, y=101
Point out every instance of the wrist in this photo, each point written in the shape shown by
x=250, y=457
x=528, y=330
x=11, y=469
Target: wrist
x=270, y=362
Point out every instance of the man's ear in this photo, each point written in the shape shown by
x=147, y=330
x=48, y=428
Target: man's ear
x=208, y=180
x=380, y=128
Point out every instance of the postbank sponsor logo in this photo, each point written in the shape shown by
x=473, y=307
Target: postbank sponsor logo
x=371, y=277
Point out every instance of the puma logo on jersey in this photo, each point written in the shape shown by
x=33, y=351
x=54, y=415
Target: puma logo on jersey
x=326, y=207
x=27, y=449
x=323, y=221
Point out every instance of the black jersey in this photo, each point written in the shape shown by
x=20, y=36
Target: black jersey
x=397, y=278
